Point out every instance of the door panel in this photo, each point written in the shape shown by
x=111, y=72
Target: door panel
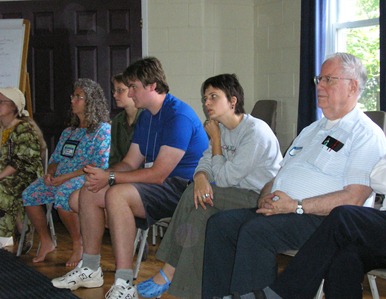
x=73, y=39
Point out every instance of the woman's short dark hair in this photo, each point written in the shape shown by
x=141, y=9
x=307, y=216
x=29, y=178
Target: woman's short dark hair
x=230, y=85
x=148, y=70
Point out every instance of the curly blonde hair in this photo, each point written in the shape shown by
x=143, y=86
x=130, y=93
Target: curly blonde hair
x=96, y=110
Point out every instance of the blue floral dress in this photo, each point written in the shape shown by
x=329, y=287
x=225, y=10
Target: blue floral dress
x=76, y=148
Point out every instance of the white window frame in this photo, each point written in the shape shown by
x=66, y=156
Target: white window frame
x=333, y=26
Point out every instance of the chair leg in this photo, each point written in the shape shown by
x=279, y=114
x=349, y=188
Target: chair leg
x=141, y=234
x=137, y=237
x=22, y=236
x=154, y=234
x=50, y=223
x=161, y=232
x=319, y=294
x=373, y=286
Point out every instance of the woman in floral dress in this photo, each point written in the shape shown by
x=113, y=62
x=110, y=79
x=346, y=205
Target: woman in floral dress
x=21, y=146
x=85, y=141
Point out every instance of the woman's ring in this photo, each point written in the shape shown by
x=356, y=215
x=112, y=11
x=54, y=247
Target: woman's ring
x=206, y=195
x=203, y=197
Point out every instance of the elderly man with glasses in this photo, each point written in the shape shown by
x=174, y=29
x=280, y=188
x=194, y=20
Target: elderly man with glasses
x=328, y=165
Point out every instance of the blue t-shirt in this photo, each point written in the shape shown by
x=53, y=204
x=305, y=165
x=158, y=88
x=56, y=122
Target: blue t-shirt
x=175, y=125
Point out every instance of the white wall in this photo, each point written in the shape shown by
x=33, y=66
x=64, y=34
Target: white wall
x=277, y=58
x=256, y=39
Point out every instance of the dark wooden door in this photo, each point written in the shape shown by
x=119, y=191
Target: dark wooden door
x=73, y=39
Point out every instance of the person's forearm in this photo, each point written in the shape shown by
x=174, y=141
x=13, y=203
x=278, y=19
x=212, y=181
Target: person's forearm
x=121, y=166
x=52, y=168
x=323, y=204
x=267, y=188
x=216, y=147
x=143, y=175
x=7, y=171
x=200, y=175
x=74, y=174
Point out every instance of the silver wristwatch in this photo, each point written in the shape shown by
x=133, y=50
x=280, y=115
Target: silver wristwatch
x=299, y=209
x=112, y=178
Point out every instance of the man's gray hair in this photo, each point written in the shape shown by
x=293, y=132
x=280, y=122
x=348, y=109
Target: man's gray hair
x=353, y=67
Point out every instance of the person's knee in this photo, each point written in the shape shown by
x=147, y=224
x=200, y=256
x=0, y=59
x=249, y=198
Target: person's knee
x=215, y=221
x=341, y=214
x=257, y=230
x=114, y=192
x=74, y=201
x=111, y=197
x=61, y=209
x=84, y=194
x=119, y=195
x=186, y=199
x=339, y=210
x=88, y=199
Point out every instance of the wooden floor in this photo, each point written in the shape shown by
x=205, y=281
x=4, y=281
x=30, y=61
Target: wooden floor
x=54, y=266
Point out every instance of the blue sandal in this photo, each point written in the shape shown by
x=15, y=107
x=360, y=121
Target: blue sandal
x=149, y=289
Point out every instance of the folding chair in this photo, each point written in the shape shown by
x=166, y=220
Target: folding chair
x=266, y=110
x=372, y=275
x=159, y=225
x=140, y=240
x=379, y=117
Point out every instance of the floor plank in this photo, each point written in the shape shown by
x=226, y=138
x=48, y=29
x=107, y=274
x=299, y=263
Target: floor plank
x=54, y=266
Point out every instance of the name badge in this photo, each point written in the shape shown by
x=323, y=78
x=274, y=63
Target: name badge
x=149, y=164
x=69, y=148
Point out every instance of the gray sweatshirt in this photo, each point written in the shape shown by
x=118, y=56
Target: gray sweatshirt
x=250, y=156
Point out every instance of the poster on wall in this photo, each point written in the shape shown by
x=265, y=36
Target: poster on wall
x=11, y=51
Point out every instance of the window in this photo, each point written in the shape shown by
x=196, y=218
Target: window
x=353, y=27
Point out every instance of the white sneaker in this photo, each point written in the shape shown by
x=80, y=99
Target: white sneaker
x=79, y=277
x=122, y=290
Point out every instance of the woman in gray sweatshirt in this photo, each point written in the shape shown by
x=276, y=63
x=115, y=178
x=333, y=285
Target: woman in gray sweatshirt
x=243, y=155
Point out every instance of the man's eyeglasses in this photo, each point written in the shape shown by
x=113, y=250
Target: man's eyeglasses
x=118, y=90
x=327, y=79
x=76, y=97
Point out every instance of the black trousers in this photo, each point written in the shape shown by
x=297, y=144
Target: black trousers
x=350, y=242
x=241, y=248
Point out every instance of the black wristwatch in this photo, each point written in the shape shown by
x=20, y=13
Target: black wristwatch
x=299, y=209
x=112, y=178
